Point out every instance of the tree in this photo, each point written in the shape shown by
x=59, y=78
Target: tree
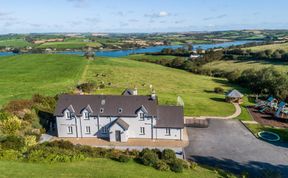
x=16, y=51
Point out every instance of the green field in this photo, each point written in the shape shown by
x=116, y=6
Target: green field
x=69, y=45
x=150, y=57
x=169, y=84
x=95, y=168
x=17, y=43
x=241, y=65
x=26, y=75
x=22, y=76
x=273, y=47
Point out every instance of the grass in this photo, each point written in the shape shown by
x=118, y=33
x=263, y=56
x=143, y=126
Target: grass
x=151, y=57
x=196, y=91
x=232, y=65
x=255, y=128
x=17, y=43
x=25, y=75
x=96, y=168
x=273, y=47
x=69, y=45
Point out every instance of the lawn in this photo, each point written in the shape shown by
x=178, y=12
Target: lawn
x=95, y=168
x=255, y=128
x=232, y=65
x=273, y=47
x=25, y=75
x=69, y=45
x=196, y=90
x=22, y=76
x=17, y=43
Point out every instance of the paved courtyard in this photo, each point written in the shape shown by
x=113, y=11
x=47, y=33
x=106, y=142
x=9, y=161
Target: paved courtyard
x=228, y=144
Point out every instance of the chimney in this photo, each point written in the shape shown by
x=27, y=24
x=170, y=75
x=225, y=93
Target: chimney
x=153, y=95
x=135, y=91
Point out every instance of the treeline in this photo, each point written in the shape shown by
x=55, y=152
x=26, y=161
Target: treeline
x=237, y=53
x=183, y=52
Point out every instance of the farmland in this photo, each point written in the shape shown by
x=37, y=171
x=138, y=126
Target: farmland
x=26, y=75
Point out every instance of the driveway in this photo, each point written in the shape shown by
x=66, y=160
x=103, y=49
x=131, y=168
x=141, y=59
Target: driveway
x=227, y=144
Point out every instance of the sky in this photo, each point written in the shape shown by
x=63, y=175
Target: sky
x=125, y=16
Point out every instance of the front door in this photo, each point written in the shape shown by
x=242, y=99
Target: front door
x=118, y=135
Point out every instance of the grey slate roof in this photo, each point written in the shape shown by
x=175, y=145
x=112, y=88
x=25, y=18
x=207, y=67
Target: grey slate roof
x=121, y=123
x=109, y=104
x=170, y=116
x=127, y=92
x=234, y=94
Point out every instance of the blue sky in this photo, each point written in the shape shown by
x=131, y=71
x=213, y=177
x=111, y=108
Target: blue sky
x=19, y=16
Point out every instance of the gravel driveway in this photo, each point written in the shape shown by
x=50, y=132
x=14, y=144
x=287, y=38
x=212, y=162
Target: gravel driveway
x=229, y=145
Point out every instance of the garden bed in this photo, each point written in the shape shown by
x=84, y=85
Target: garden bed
x=267, y=118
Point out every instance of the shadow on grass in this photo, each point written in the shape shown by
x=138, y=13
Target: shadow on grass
x=253, y=168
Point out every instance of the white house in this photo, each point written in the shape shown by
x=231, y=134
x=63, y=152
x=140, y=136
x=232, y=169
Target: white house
x=118, y=117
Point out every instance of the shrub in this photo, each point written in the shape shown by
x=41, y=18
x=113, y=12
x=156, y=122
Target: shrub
x=218, y=90
x=193, y=165
x=60, y=144
x=176, y=165
x=86, y=87
x=11, y=155
x=148, y=158
x=12, y=143
x=161, y=166
x=168, y=155
x=15, y=106
x=10, y=126
x=123, y=158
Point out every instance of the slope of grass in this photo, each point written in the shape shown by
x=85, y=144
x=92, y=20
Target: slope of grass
x=150, y=57
x=169, y=83
x=69, y=45
x=17, y=43
x=95, y=168
x=22, y=76
x=273, y=47
x=233, y=65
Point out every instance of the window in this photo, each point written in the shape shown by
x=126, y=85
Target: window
x=68, y=115
x=104, y=130
x=88, y=130
x=86, y=115
x=120, y=110
x=70, y=130
x=168, y=131
x=142, y=130
x=101, y=110
x=142, y=116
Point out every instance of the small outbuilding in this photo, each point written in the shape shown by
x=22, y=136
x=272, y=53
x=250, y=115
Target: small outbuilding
x=234, y=96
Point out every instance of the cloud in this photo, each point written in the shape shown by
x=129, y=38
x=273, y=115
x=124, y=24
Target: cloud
x=216, y=17
x=79, y=3
x=133, y=20
x=157, y=15
x=93, y=20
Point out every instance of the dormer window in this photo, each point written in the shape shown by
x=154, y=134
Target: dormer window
x=120, y=110
x=86, y=115
x=68, y=115
x=142, y=116
x=101, y=110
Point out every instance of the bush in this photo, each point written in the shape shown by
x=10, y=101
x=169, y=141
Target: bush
x=176, y=166
x=12, y=143
x=218, y=90
x=10, y=155
x=123, y=158
x=86, y=87
x=193, y=165
x=148, y=157
x=168, y=155
x=60, y=144
x=161, y=166
x=53, y=154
